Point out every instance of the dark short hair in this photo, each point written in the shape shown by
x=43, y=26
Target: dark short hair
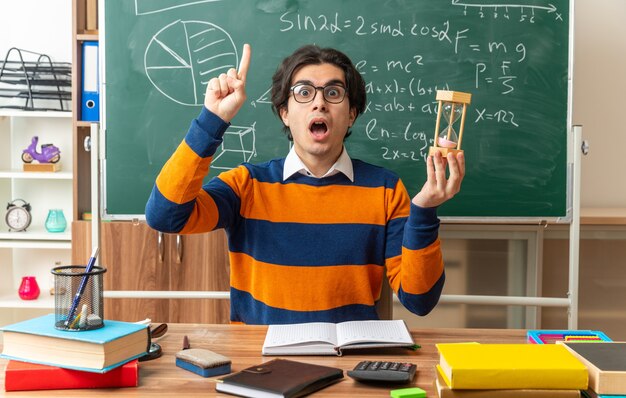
x=314, y=55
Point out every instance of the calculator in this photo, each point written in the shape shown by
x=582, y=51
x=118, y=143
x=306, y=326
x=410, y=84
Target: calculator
x=383, y=372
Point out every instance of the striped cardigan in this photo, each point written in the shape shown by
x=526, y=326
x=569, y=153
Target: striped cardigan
x=304, y=249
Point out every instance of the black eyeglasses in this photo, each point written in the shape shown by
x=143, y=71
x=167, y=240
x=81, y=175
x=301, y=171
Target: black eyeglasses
x=333, y=93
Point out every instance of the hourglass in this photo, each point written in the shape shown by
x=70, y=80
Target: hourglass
x=452, y=105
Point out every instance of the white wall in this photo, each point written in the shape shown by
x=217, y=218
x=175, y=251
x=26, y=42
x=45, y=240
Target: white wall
x=599, y=100
x=43, y=26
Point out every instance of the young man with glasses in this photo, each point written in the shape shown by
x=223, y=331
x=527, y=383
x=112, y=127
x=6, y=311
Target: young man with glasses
x=311, y=236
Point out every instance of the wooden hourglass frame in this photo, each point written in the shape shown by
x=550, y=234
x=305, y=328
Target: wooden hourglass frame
x=455, y=99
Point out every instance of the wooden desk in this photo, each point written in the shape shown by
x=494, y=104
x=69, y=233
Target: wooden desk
x=161, y=377
x=603, y=216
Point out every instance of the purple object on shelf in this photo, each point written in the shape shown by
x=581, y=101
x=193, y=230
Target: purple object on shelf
x=49, y=153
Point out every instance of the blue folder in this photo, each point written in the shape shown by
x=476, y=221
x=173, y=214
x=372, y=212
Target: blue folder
x=90, y=93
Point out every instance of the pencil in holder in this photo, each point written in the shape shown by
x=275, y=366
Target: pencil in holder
x=89, y=311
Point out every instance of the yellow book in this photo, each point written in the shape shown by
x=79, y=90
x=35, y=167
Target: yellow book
x=511, y=366
x=443, y=391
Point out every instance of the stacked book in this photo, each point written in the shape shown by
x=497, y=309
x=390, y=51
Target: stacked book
x=606, y=363
x=509, y=371
x=42, y=357
x=605, y=360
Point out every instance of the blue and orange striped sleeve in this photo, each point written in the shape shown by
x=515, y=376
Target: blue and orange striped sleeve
x=413, y=253
x=178, y=203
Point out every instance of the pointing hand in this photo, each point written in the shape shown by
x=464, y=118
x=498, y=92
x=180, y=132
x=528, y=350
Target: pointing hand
x=226, y=94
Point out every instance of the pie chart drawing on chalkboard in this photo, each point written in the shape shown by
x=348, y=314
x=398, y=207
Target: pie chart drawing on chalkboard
x=183, y=56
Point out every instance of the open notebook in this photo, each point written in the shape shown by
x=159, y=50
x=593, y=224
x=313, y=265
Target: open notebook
x=321, y=338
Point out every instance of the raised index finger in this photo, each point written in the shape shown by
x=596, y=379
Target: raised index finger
x=245, y=63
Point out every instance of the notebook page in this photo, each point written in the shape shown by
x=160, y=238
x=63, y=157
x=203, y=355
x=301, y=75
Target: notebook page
x=283, y=335
x=373, y=332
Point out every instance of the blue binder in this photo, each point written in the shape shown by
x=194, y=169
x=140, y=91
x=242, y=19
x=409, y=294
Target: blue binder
x=90, y=98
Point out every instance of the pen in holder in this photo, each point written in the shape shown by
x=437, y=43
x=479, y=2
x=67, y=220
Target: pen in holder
x=74, y=311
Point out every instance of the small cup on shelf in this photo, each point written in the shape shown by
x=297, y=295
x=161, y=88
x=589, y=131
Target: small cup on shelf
x=55, y=222
x=29, y=289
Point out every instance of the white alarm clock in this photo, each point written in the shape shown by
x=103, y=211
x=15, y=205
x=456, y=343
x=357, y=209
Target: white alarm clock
x=18, y=216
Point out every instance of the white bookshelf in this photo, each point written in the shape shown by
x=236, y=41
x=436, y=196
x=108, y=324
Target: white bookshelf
x=34, y=251
x=35, y=175
x=35, y=114
x=45, y=301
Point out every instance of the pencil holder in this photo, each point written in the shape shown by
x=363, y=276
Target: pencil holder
x=88, y=309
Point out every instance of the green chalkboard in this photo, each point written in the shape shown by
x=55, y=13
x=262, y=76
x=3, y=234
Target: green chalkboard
x=513, y=58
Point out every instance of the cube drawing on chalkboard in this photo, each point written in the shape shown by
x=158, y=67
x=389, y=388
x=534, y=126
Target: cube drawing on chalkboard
x=237, y=147
x=453, y=106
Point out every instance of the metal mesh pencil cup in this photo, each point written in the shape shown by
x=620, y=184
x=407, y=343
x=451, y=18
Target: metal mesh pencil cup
x=90, y=309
